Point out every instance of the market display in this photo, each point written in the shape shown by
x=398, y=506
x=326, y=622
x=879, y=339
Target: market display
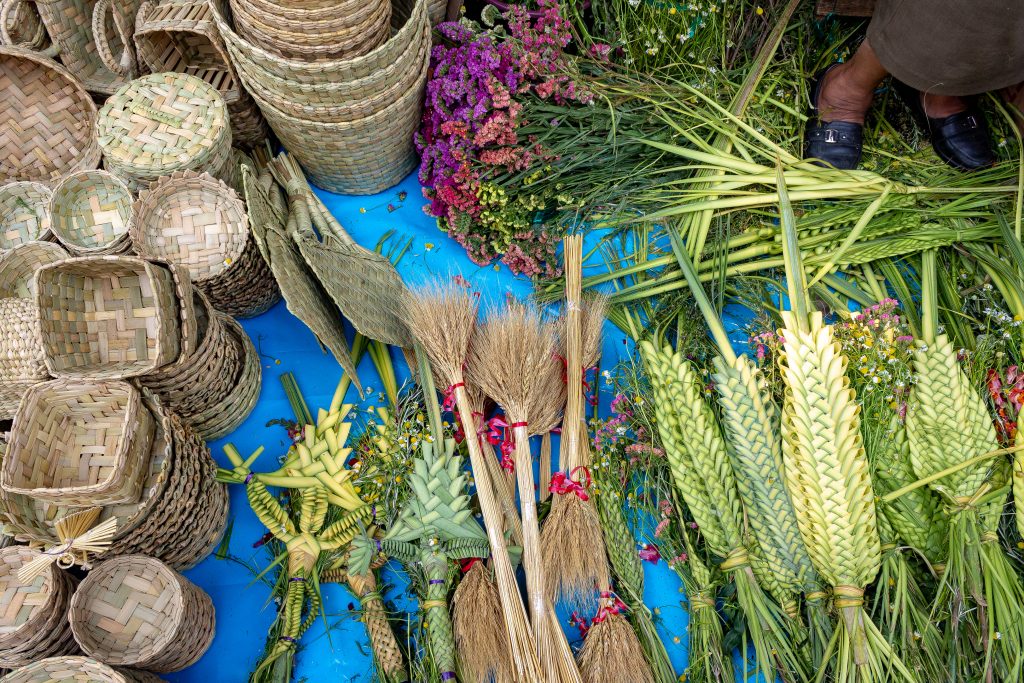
x=811, y=425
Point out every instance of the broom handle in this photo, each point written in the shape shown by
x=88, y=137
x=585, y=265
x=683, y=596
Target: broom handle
x=532, y=562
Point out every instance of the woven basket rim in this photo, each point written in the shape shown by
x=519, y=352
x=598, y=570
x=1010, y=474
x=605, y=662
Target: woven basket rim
x=351, y=39
x=15, y=189
x=334, y=12
x=28, y=674
x=57, y=222
x=14, y=255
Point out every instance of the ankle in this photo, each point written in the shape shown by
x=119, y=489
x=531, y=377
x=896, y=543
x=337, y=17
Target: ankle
x=843, y=97
x=941, y=106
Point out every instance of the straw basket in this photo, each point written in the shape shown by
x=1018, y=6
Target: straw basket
x=200, y=224
x=46, y=119
x=222, y=419
x=18, y=267
x=162, y=123
x=91, y=213
x=24, y=213
x=20, y=355
x=79, y=443
x=22, y=26
x=136, y=611
x=76, y=670
x=33, y=614
x=107, y=317
x=180, y=36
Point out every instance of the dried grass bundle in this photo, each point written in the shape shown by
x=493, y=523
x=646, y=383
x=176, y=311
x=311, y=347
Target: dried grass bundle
x=612, y=653
x=476, y=617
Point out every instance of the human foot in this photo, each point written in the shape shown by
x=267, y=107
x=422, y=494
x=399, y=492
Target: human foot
x=842, y=96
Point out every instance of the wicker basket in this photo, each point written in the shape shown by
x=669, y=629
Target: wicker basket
x=200, y=224
x=11, y=394
x=136, y=611
x=180, y=36
x=22, y=26
x=163, y=123
x=108, y=317
x=46, y=119
x=18, y=267
x=77, y=670
x=33, y=614
x=223, y=418
x=91, y=213
x=21, y=358
x=79, y=443
x=24, y=213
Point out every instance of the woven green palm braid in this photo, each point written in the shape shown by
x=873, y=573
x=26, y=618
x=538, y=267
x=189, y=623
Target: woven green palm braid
x=1018, y=484
x=618, y=538
x=435, y=607
x=827, y=472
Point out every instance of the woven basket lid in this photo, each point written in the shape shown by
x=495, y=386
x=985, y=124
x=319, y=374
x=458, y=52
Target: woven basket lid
x=71, y=670
x=23, y=605
x=164, y=120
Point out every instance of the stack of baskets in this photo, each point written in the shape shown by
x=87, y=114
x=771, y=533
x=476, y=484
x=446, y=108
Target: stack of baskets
x=33, y=612
x=350, y=122
x=76, y=670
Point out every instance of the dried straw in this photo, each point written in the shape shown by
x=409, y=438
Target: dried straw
x=612, y=653
x=476, y=614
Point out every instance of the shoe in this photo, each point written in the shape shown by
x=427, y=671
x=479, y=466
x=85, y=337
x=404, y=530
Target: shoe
x=832, y=143
x=962, y=140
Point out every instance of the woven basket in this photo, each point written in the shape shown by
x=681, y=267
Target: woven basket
x=18, y=267
x=200, y=223
x=21, y=358
x=46, y=119
x=163, y=123
x=222, y=419
x=79, y=443
x=33, y=614
x=91, y=213
x=22, y=26
x=136, y=611
x=24, y=213
x=108, y=317
x=76, y=670
x=438, y=10
x=180, y=36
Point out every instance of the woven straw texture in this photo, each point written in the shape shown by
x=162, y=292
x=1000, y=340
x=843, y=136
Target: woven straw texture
x=135, y=611
x=163, y=123
x=24, y=213
x=21, y=358
x=46, y=119
x=180, y=36
x=224, y=416
x=33, y=615
x=76, y=670
x=201, y=224
x=107, y=317
x=79, y=443
x=11, y=394
x=437, y=9
x=18, y=267
x=21, y=25
x=91, y=213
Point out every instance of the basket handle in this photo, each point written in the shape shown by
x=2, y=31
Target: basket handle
x=122, y=67
x=7, y=8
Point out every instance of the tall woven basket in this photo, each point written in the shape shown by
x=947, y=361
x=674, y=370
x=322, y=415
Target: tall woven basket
x=135, y=611
x=46, y=119
x=200, y=224
x=76, y=670
x=24, y=213
x=21, y=25
x=162, y=123
x=91, y=212
x=33, y=614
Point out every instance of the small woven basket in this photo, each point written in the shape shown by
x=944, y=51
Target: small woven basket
x=76, y=670
x=18, y=267
x=21, y=358
x=79, y=443
x=136, y=611
x=200, y=224
x=224, y=417
x=91, y=213
x=108, y=317
x=24, y=213
x=46, y=119
x=33, y=614
x=22, y=26
x=162, y=123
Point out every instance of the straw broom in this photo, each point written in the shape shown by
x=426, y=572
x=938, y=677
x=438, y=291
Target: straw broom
x=479, y=637
x=508, y=358
x=443, y=319
x=828, y=475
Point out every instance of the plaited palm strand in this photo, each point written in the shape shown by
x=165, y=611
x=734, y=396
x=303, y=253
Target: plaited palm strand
x=696, y=452
x=571, y=542
x=509, y=357
x=828, y=474
x=443, y=320
x=948, y=424
x=1018, y=483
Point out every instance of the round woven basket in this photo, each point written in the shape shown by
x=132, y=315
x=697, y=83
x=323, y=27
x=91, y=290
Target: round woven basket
x=24, y=213
x=136, y=611
x=91, y=212
x=21, y=358
x=200, y=224
x=22, y=26
x=76, y=670
x=162, y=123
x=33, y=614
x=18, y=267
x=231, y=411
x=108, y=317
x=79, y=443
x=46, y=119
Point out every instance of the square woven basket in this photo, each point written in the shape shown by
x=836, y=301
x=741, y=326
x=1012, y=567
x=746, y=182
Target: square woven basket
x=107, y=317
x=79, y=443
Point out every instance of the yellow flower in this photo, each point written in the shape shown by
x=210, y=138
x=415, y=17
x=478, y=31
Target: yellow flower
x=759, y=11
x=429, y=246
x=362, y=210
x=672, y=10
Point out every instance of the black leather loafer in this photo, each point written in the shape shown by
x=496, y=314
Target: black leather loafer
x=832, y=143
x=962, y=140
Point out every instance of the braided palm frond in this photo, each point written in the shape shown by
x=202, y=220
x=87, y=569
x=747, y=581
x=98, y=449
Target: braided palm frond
x=347, y=526
x=313, y=506
x=465, y=548
x=618, y=538
x=268, y=509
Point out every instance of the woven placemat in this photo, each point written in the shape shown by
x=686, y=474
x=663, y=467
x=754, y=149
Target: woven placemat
x=24, y=213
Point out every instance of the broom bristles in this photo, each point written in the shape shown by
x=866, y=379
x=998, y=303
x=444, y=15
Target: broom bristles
x=443, y=316
x=476, y=616
x=611, y=653
x=573, y=550
x=592, y=315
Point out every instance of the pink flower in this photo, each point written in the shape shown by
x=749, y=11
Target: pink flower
x=662, y=525
x=649, y=553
